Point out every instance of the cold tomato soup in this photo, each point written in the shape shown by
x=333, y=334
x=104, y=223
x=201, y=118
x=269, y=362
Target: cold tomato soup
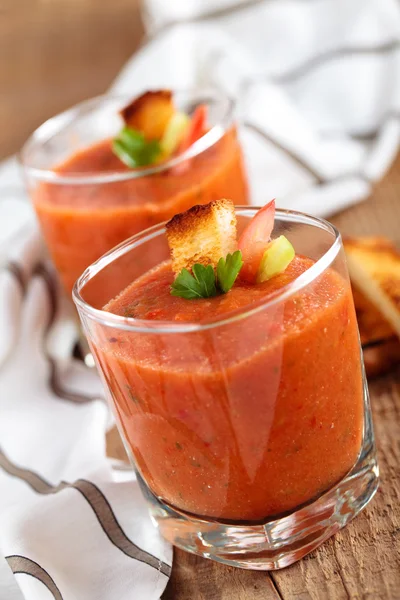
x=247, y=420
x=80, y=222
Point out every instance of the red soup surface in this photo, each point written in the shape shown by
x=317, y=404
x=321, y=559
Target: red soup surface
x=82, y=222
x=248, y=419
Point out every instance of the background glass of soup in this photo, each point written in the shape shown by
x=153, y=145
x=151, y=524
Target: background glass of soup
x=87, y=200
x=251, y=432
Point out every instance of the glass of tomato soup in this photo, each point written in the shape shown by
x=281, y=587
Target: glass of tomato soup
x=88, y=200
x=245, y=415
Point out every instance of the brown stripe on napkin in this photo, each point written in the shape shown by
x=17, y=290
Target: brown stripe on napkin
x=35, y=481
x=97, y=502
x=297, y=159
x=54, y=383
x=14, y=269
x=329, y=55
x=112, y=528
x=363, y=136
x=301, y=162
x=21, y=564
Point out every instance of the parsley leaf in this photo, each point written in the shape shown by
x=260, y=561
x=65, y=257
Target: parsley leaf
x=133, y=149
x=228, y=269
x=199, y=285
x=205, y=277
x=203, y=283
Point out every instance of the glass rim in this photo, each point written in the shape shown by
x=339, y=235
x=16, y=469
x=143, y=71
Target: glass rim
x=147, y=326
x=54, y=125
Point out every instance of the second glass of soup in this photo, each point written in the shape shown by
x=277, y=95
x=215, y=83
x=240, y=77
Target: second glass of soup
x=87, y=200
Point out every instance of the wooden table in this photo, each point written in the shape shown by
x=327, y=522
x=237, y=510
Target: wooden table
x=363, y=560
x=55, y=53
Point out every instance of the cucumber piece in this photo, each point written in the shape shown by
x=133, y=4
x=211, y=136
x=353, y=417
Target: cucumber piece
x=277, y=257
x=174, y=132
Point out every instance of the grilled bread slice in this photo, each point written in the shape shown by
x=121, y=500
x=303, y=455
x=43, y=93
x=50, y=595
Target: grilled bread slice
x=203, y=234
x=372, y=325
x=374, y=266
x=381, y=356
x=381, y=346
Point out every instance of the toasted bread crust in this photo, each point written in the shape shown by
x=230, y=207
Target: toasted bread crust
x=181, y=223
x=149, y=113
x=372, y=325
x=129, y=111
x=381, y=346
x=375, y=271
x=381, y=356
x=203, y=234
x=374, y=265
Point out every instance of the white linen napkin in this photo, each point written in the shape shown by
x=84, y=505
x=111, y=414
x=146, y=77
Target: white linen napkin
x=317, y=81
x=73, y=524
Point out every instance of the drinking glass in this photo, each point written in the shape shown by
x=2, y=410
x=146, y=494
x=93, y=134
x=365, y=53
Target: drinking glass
x=87, y=201
x=250, y=433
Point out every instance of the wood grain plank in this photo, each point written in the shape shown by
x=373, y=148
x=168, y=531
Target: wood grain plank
x=115, y=448
x=196, y=578
x=56, y=53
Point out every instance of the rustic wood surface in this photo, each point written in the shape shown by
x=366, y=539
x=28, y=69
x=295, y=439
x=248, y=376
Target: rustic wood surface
x=54, y=53
x=363, y=560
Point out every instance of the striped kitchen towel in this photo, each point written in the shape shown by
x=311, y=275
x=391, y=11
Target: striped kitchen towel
x=317, y=81
x=73, y=524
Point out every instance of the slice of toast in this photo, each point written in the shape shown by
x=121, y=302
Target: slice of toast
x=381, y=346
x=203, y=234
x=381, y=356
x=372, y=325
x=374, y=266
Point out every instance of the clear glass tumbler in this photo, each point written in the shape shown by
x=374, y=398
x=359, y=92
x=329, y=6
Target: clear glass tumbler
x=87, y=201
x=250, y=433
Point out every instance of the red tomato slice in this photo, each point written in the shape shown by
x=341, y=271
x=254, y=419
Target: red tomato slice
x=196, y=129
x=254, y=240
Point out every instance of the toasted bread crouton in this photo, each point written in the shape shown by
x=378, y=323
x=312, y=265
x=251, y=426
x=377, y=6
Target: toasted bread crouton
x=372, y=324
x=150, y=113
x=374, y=266
x=381, y=346
x=381, y=356
x=203, y=234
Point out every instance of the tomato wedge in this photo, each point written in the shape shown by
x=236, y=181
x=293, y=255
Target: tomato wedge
x=254, y=240
x=196, y=128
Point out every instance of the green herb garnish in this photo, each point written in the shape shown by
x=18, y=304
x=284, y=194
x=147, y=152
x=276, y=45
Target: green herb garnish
x=134, y=150
x=228, y=269
x=203, y=283
x=199, y=285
